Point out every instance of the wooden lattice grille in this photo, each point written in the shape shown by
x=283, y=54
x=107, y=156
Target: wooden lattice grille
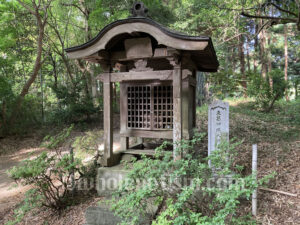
x=139, y=106
x=163, y=107
x=150, y=106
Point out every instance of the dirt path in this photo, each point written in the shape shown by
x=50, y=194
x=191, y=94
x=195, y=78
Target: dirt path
x=10, y=194
x=14, y=151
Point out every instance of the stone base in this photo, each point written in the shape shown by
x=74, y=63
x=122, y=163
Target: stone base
x=112, y=161
x=100, y=216
x=108, y=179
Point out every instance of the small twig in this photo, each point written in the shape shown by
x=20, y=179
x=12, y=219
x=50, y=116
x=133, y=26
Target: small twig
x=280, y=192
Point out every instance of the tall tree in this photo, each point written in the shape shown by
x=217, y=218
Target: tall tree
x=262, y=50
x=40, y=12
x=286, y=59
x=284, y=12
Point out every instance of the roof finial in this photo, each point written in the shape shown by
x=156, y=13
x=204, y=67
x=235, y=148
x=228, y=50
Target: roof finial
x=139, y=10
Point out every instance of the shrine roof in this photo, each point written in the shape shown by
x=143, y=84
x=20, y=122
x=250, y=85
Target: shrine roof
x=200, y=47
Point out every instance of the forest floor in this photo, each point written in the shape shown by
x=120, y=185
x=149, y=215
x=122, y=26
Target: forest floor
x=12, y=151
x=277, y=135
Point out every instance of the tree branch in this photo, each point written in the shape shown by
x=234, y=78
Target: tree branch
x=27, y=7
x=76, y=6
x=269, y=17
x=281, y=9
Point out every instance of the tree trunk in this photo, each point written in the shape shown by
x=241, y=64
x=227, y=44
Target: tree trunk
x=3, y=116
x=37, y=65
x=269, y=58
x=85, y=67
x=68, y=67
x=270, y=70
x=54, y=70
x=201, y=93
x=255, y=51
x=233, y=60
x=286, y=60
x=262, y=52
x=242, y=64
x=272, y=103
x=87, y=75
x=248, y=54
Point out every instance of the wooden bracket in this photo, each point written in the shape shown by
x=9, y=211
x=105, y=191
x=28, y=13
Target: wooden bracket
x=141, y=65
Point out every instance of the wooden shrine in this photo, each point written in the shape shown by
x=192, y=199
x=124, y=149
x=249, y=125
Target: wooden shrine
x=156, y=69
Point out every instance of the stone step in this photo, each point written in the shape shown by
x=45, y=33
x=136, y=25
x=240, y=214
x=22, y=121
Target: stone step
x=108, y=179
x=100, y=216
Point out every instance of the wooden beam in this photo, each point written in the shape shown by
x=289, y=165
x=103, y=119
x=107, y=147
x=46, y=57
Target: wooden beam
x=148, y=152
x=138, y=47
x=120, y=56
x=145, y=75
x=168, y=134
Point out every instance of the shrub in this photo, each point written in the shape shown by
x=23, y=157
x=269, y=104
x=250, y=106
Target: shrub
x=31, y=201
x=50, y=173
x=74, y=103
x=199, y=201
x=86, y=146
x=225, y=84
x=265, y=94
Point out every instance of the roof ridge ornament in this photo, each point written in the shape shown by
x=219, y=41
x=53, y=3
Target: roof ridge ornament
x=139, y=10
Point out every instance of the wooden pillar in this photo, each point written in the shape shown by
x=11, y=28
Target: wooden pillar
x=177, y=109
x=109, y=159
x=124, y=141
x=108, y=116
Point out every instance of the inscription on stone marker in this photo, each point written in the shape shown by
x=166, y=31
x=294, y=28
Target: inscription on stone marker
x=218, y=124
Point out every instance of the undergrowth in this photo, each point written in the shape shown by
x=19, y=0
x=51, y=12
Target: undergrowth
x=247, y=122
x=185, y=191
x=52, y=175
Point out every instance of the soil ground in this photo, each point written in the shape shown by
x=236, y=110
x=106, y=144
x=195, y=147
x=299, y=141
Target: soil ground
x=14, y=150
x=277, y=135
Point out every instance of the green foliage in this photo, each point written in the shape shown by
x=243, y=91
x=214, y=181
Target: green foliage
x=55, y=141
x=28, y=116
x=74, y=103
x=265, y=94
x=5, y=89
x=6, y=97
x=225, y=84
x=50, y=173
x=200, y=202
x=62, y=89
x=8, y=34
x=32, y=200
x=288, y=112
x=108, y=11
x=51, y=177
x=87, y=145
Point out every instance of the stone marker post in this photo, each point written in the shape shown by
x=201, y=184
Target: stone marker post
x=218, y=124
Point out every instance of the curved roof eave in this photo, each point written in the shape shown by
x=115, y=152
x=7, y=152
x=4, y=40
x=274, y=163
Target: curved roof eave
x=139, y=24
